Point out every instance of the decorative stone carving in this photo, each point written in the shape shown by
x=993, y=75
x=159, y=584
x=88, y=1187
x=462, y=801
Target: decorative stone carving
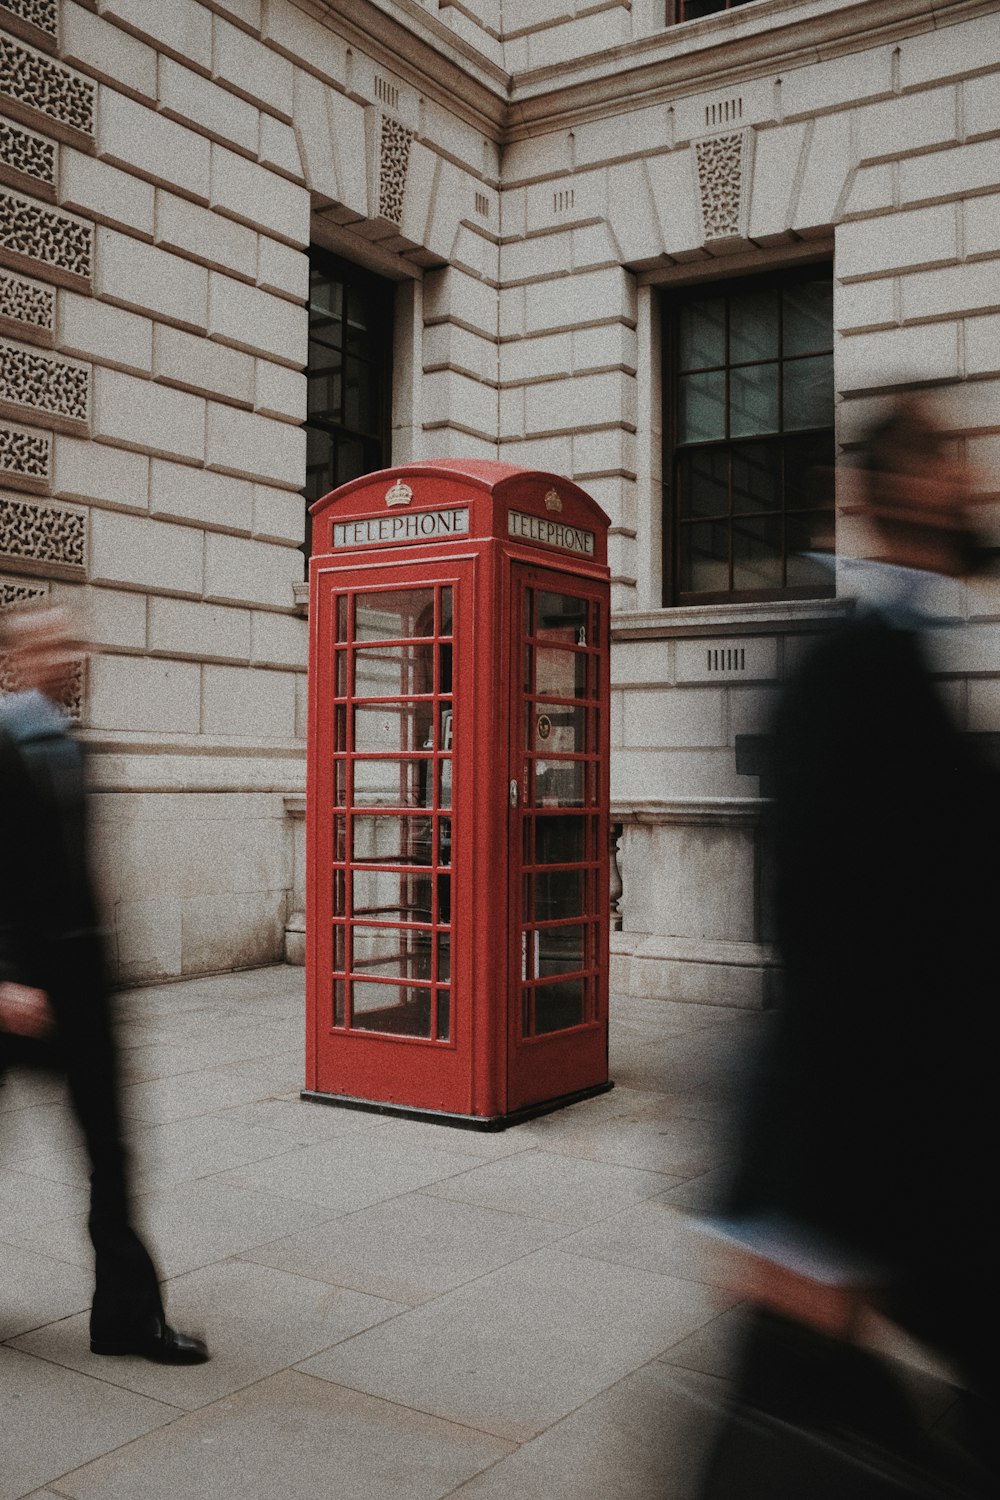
x=43, y=92
x=18, y=591
x=27, y=160
x=26, y=458
x=47, y=385
x=27, y=309
x=393, y=162
x=43, y=537
x=723, y=175
x=36, y=20
x=33, y=238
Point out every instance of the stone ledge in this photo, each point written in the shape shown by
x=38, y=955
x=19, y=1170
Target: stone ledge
x=687, y=620
x=703, y=811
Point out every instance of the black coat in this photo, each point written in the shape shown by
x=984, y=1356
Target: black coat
x=872, y=1115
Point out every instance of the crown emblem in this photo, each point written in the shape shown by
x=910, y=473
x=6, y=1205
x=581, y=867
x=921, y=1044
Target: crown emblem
x=398, y=494
x=553, y=500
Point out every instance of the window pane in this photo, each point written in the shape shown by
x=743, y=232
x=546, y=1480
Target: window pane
x=394, y=614
x=753, y=327
x=753, y=398
x=704, y=483
x=757, y=553
x=561, y=673
x=387, y=896
x=392, y=783
x=393, y=726
x=808, y=314
x=701, y=409
x=705, y=558
x=809, y=392
x=400, y=1009
x=558, y=1005
x=756, y=477
x=560, y=950
x=809, y=472
x=561, y=617
x=560, y=841
x=808, y=535
x=559, y=785
x=388, y=671
x=392, y=841
x=326, y=298
x=560, y=894
x=556, y=729
x=702, y=334
x=392, y=952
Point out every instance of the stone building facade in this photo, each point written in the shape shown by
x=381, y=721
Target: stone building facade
x=676, y=253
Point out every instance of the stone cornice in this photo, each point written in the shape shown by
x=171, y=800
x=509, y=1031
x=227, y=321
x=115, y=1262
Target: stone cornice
x=715, y=53
x=406, y=38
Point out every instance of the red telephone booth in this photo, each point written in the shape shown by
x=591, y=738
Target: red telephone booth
x=457, y=809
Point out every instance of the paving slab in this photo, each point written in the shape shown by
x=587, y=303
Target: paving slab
x=257, y=1321
x=53, y=1420
x=521, y=1347
x=646, y=1438
x=287, y=1437
x=38, y=1289
x=545, y=1185
x=411, y=1248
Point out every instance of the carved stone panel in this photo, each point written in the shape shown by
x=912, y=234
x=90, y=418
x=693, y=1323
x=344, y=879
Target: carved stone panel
x=394, y=141
x=35, y=20
x=49, y=241
x=25, y=458
x=27, y=309
x=723, y=184
x=43, y=537
x=27, y=160
x=42, y=92
x=50, y=386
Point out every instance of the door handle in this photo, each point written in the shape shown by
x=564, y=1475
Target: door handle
x=514, y=792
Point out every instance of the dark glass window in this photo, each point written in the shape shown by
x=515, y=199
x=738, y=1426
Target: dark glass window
x=691, y=10
x=750, y=413
x=349, y=374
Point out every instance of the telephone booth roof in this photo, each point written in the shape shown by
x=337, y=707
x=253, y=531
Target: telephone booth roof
x=503, y=500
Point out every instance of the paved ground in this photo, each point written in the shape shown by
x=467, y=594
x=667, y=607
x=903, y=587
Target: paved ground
x=398, y=1311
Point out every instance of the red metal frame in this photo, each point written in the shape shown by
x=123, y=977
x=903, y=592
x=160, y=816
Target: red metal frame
x=387, y=903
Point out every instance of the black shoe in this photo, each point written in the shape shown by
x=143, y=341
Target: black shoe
x=162, y=1344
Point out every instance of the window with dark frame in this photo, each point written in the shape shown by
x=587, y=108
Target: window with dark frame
x=749, y=393
x=693, y=10
x=349, y=374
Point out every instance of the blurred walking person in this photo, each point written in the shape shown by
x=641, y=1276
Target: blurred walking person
x=865, y=1178
x=53, y=989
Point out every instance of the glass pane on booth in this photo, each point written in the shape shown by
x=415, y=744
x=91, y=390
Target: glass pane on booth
x=388, y=727
x=558, y=729
x=403, y=1010
x=560, y=784
x=392, y=783
x=560, y=841
x=394, y=614
x=560, y=950
x=559, y=893
x=559, y=1005
x=394, y=671
x=391, y=952
x=561, y=617
x=392, y=841
x=390, y=896
x=560, y=674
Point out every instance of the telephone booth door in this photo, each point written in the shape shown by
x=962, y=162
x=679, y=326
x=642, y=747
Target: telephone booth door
x=558, y=1008
x=390, y=850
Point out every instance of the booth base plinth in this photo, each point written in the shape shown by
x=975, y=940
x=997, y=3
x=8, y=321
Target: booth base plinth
x=460, y=1122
